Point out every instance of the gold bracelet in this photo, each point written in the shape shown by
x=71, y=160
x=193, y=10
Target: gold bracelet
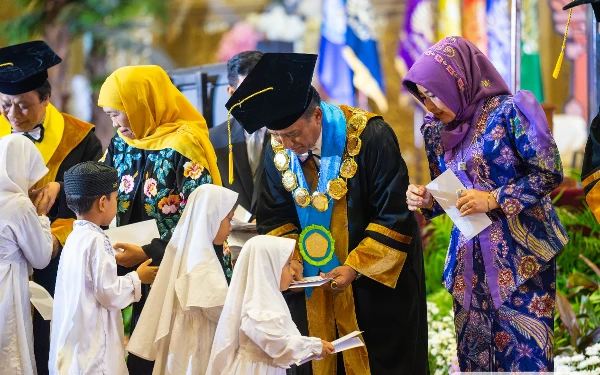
x=431, y=205
x=489, y=196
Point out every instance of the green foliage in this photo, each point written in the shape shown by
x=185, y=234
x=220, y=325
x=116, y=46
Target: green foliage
x=438, y=233
x=102, y=18
x=442, y=299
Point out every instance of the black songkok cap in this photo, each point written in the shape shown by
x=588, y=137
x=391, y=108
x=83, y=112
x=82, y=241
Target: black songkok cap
x=286, y=79
x=89, y=179
x=595, y=6
x=24, y=67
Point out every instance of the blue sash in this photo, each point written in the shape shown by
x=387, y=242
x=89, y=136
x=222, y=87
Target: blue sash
x=312, y=221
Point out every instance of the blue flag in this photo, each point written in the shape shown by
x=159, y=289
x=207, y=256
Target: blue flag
x=498, y=16
x=334, y=73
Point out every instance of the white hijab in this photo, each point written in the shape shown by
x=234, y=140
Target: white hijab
x=190, y=248
x=254, y=291
x=21, y=166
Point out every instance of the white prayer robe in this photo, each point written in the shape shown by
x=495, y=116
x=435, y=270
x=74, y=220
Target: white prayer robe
x=87, y=326
x=177, y=325
x=256, y=334
x=25, y=241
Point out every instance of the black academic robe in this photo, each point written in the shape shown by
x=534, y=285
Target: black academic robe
x=394, y=319
x=243, y=184
x=89, y=148
x=590, y=171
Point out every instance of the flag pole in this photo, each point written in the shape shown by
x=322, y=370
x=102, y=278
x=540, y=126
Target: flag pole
x=515, y=44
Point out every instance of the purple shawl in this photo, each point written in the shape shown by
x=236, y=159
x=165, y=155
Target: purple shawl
x=462, y=77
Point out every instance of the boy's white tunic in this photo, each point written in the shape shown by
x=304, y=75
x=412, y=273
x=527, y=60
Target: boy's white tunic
x=25, y=242
x=177, y=326
x=256, y=334
x=87, y=326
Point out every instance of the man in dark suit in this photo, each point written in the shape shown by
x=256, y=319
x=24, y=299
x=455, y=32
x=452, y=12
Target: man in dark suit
x=248, y=149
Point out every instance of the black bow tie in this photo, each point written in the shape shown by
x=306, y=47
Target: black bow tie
x=36, y=134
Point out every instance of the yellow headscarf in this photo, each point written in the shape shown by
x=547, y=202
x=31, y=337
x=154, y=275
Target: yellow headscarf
x=159, y=115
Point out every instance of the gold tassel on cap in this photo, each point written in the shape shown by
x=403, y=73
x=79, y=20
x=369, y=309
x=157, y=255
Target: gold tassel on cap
x=229, y=129
x=562, y=49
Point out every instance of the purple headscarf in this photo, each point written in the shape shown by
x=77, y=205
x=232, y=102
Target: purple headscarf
x=462, y=77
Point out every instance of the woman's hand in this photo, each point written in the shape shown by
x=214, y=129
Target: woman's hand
x=147, y=273
x=327, y=348
x=476, y=201
x=417, y=196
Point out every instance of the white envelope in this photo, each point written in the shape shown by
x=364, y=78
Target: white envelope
x=41, y=300
x=443, y=189
x=139, y=234
x=308, y=282
x=349, y=341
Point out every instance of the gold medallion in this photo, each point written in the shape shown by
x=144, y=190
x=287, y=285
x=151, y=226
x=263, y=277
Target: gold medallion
x=358, y=122
x=353, y=145
x=289, y=180
x=316, y=245
x=281, y=160
x=337, y=188
x=320, y=201
x=302, y=197
x=348, y=168
x=274, y=142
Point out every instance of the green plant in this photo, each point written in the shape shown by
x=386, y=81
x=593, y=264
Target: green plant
x=437, y=238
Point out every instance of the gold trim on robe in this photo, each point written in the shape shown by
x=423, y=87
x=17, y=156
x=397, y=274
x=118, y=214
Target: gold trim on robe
x=54, y=126
x=593, y=200
x=61, y=228
x=399, y=237
x=377, y=261
x=591, y=178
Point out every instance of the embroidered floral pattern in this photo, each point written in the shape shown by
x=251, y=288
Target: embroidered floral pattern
x=169, y=205
x=542, y=307
x=501, y=340
x=193, y=170
x=150, y=188
x=127, y=184
x=505, y=278
x=512, y=206
x=528, y=267
x=154, y=184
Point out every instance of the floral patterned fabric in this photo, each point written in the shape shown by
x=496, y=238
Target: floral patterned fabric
x=154, y=184
x=517, y=161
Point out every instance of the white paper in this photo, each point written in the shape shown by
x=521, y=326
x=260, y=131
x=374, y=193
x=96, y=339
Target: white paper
x=237, y=226
x=349, y=341
x=443, y=189
x=139, y=234
x=241, y=214
x=308, y=282
x=41, y=300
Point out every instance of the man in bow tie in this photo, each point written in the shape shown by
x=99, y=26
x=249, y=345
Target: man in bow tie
x=62, y=140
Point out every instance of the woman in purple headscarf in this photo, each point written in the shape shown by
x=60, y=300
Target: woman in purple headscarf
x=500, y=147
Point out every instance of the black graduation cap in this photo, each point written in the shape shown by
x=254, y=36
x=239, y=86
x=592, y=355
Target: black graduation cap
x=274, y=94
x=286, y=80
x=595, y=6
x=90, y=179
x=24, y=67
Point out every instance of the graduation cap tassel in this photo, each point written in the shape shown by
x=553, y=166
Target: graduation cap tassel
x=562, y=49
x=229, y=129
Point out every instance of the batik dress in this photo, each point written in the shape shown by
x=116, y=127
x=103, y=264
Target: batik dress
x=503, y=281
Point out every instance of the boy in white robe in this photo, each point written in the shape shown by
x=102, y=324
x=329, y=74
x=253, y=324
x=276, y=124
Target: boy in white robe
x=256, y=334
x=25, y=242
x=178, y=322
x=87, y=326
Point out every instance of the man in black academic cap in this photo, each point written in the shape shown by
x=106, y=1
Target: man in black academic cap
x=590, y=172
x=248, y=149
x=63, y=141
x=334, y=180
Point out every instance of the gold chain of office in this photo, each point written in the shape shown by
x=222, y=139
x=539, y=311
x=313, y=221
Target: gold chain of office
x=337, y=187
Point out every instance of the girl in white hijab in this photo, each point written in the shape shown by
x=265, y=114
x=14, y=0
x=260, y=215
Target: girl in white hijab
x=256, y=334
x=25, y=242
x=178, y=322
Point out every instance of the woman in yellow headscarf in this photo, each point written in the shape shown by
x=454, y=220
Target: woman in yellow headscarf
x=162, y=153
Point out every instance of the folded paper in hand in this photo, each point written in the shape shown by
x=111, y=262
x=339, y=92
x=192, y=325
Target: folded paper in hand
x=308, y=282
x=349, y=341
x=443, y=189
x=41, y=300
x=139, y=234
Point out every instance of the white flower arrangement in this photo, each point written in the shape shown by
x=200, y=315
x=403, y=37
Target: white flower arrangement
x=277, y=25
x=579, y=363
x=441, y=341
